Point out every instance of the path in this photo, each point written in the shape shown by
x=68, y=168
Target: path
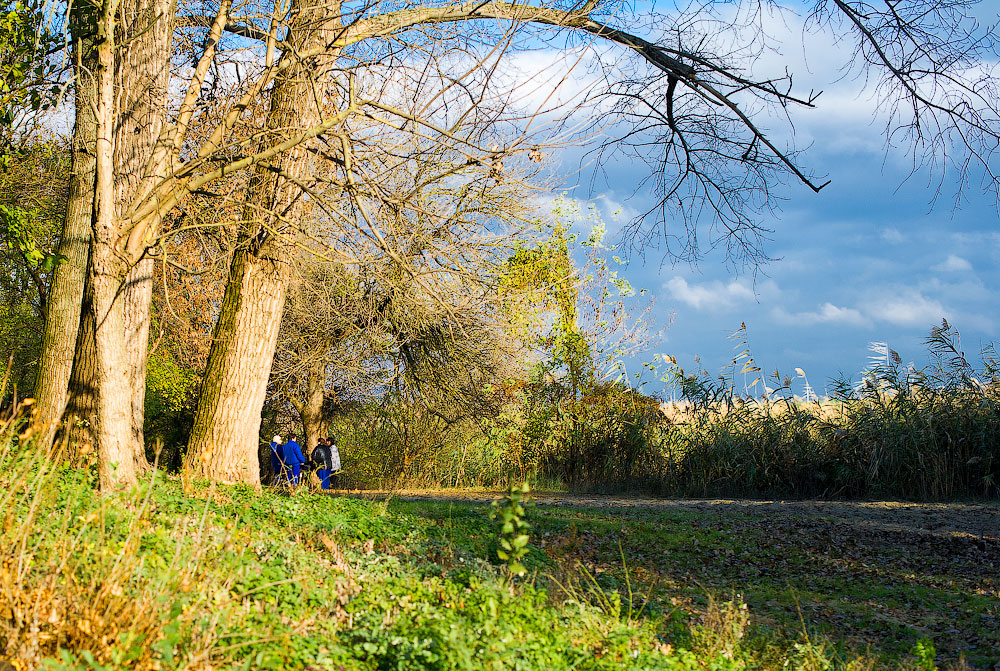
x=980, y=520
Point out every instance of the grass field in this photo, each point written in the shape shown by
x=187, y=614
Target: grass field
x=181, y=575
x=869, y=578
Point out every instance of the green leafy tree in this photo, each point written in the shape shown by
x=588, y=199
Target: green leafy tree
x=28, y=71
x=32, y=195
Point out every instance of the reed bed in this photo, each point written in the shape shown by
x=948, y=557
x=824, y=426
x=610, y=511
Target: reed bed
x=926, y=435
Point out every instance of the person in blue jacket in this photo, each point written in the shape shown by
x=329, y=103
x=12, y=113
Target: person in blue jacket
x=291, y=454
x=277, y=466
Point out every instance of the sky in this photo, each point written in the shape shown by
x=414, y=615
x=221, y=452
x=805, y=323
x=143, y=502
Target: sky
x=871, y=258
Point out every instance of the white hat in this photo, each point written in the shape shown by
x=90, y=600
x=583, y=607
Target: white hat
x=276, y=439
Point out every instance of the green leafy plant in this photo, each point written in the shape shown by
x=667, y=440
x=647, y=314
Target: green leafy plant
x=508, y=514
x=924, y=651
x=28, y=75
x=16, y=226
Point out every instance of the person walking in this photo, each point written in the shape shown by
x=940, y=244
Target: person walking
x=326, y=458
x=292, y=456
x=277, y=465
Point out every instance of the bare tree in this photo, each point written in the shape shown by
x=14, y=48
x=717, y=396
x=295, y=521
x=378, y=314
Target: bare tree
x=414, y=290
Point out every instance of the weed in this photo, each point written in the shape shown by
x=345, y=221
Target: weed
x=508, y=514
x=723, y=626
x=924, y=653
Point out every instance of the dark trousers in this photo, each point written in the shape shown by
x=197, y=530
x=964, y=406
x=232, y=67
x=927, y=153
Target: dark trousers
x=276, y=469
x=328, y=479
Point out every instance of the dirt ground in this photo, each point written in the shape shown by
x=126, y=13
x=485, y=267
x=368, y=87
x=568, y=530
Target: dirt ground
x=976, y=520
x=875, y=574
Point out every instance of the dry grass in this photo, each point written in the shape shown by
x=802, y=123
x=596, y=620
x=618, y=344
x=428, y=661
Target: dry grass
x=74, y=576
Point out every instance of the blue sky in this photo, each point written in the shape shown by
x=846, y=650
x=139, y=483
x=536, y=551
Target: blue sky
x=871, y=258
x=865, y=260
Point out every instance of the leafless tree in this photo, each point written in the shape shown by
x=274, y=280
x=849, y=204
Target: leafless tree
x=399, y=286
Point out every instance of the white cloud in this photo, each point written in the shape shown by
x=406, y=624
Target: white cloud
x=953, y=264
x=716, y=295
x=906, y=307
x=970, y=290
x=554, y=83
x=977, y=239
x=828, y=313
x=900, y=307
x=892, y=235
x=613, y=212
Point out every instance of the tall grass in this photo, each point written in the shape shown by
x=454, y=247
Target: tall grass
x=925, y=435
x=929, y=435
x=77, y=583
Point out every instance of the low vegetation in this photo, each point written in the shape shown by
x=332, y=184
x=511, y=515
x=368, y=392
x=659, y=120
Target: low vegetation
x=187, y=575
x=898, y=433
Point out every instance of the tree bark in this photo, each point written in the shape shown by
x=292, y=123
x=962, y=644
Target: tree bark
x=80, y=416
x=224, y=440
x=68, y=385
x=311, y=412
x=63, y=309
x=81, y=406
x=225, y=437
x=138, y=296
x=113, y=427
x=142, y=77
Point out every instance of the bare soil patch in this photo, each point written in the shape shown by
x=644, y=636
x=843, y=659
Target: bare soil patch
x=978, y=520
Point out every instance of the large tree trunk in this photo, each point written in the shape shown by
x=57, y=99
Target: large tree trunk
x=68, y=384
x=224, y=440
x=128, y=88
x=225, y=437
x=113, y=427
x=80, y=417
x=63, y=310
x=142, y=76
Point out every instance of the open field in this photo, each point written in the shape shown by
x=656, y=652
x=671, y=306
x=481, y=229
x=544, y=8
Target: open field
x=875, y=576
x=976, y=519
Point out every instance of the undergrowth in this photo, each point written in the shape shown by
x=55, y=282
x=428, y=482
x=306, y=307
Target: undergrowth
x=232, y=577
x=926, y=435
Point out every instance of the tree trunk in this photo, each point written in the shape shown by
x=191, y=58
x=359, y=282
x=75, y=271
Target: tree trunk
x=142, y=76
x=311, y=412
x=63, y=310
x=138, y=297
x=68, y=384
x=81, y=406
x=225, y=437
x=113, y=428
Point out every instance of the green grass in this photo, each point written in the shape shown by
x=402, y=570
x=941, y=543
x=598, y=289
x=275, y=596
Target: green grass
x=228, y=577
x=208, y=577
